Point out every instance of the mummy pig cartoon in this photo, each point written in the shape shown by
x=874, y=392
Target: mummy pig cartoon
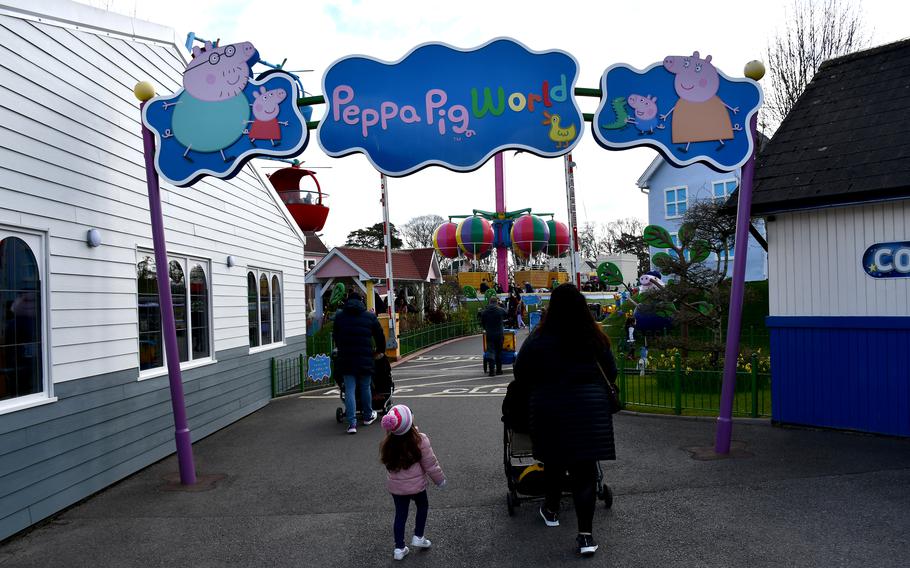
x=699, y=115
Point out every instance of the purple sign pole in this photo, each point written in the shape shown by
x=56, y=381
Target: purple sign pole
x=734, y=321
x=502, y=254
x=169, y=327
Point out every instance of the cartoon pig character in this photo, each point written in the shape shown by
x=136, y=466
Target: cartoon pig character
x=645, y=119
x=265, y=111
x=211, y=112
x=699, y=115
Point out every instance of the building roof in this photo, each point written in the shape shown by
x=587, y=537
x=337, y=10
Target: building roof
x=314, y=245
x=845, y=140
x=412, y=265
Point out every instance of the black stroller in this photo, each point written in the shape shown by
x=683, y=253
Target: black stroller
x=382, y=390
x=524, y=474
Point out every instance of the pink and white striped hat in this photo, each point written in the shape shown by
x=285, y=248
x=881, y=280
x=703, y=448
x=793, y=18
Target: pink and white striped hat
x=399, y=420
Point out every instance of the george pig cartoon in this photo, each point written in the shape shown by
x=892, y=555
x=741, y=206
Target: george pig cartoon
x=211, y=112
x=645, y=108
x=265, y=111
x=699, y=114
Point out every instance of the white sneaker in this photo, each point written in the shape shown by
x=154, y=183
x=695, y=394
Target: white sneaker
x=352, y=429
x=420, y=542
x=400, y=553
x=371, y=419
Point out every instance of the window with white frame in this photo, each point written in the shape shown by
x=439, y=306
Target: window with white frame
x=675, y=202
x=22, y=344
x=188, y=279
x=721, y=190
x=265, y=312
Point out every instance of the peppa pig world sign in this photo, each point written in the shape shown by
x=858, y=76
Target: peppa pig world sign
x=683, y=107
x=222, y=118
x=440, y=105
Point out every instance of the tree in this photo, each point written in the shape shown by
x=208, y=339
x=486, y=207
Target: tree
x=634, y=243
x=373, y=237
x=418, y=232
x=815, y=32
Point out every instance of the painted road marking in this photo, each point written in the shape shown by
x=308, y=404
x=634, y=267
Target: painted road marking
x=447, y=358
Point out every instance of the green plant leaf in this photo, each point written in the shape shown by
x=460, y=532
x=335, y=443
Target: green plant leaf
x=610, y=273
x=661, y=259
x=657, y=237
x=699, y=251
x=489, y=294
x=469, y=292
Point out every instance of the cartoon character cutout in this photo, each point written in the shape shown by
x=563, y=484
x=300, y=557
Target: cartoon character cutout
x=210, y=114
x=266, y=125
x=699, y=115
x=645, y=119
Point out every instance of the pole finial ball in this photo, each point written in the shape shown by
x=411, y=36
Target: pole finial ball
x=754, y=70
x=144, y=90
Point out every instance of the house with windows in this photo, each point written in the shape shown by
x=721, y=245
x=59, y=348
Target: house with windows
x=84, y=398
x=672, y=190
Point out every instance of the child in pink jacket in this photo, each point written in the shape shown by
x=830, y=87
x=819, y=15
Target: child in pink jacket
x=407, y=454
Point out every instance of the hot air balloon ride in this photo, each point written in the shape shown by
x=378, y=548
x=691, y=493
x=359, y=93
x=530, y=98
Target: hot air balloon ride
x=558, y=243
x=475, y=237
x=530, y=235
x=445, y=241
x=306, y=206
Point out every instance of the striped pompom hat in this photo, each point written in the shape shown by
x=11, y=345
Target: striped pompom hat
x=399, y=420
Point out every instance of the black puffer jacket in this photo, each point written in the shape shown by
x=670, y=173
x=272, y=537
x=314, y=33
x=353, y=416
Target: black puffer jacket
x=355, y=332
x=565, y=399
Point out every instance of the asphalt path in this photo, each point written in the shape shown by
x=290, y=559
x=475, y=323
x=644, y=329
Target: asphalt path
x=298, y=491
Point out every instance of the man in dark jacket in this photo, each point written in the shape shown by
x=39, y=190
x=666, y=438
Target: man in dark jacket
x=359, y=340
x=492, y=318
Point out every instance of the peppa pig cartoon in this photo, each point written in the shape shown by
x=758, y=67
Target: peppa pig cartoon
x=699, y=115
x=265, y=111
x=211, y=112
x=645, y=119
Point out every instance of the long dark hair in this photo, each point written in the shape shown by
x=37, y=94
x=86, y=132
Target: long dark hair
x=569, y=319
x=400, y=452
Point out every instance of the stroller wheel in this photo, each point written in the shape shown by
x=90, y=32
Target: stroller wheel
x=606, y=495
x=510, y=504
x=339, y=414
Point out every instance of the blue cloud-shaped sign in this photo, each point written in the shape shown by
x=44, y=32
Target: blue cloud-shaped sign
x=683, y=107
x=319, y=368
x=195, y=137
x=440, y=105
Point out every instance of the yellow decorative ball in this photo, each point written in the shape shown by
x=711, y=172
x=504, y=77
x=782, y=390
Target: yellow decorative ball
x=144, y=90
x=754, y=70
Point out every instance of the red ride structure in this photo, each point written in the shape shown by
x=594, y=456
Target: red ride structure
x=309, y=214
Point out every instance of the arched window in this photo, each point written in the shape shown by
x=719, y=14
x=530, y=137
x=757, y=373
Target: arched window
x=21, y=348
x=252, y=299
x=265, y=308
x=199, y=312
x=191, y=311
x=276, y=309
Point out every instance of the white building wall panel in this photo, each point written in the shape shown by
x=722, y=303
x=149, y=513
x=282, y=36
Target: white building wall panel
x=815, y=261
x=71, y=159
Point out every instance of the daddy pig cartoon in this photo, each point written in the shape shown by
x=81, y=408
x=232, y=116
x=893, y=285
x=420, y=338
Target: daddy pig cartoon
x=211, y=113
x=265, y=112
x=699, y=115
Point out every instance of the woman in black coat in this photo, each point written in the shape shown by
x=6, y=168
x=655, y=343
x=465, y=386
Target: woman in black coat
x=560, y=385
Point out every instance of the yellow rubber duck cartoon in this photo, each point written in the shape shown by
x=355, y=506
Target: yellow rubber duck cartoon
x=562, y=136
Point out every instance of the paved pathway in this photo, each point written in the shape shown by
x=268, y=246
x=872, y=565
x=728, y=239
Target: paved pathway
x=299, y=492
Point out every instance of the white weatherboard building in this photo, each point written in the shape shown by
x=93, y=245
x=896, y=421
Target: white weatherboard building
x=84, y=398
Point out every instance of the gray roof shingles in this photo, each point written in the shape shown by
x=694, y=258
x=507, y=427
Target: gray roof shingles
x=847, y=138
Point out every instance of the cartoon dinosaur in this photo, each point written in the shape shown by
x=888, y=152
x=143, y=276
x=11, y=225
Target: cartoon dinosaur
x=562, y=136
x=622, y=115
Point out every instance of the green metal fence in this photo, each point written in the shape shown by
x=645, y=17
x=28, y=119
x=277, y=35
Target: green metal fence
x=697, y=391
x=289, y=374
x=418, y=339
